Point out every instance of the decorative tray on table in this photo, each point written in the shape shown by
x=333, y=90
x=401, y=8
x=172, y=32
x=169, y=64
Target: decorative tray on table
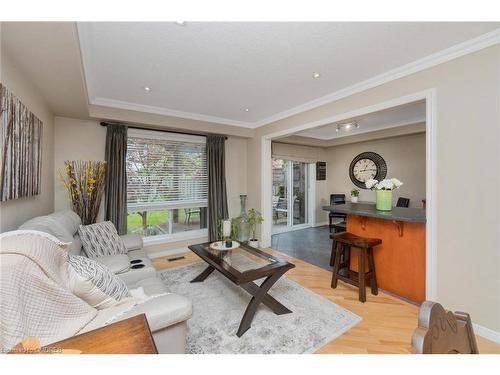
x=221, y=245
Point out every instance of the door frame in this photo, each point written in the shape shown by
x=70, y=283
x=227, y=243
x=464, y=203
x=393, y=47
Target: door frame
x=290, y=204
x=429, y=96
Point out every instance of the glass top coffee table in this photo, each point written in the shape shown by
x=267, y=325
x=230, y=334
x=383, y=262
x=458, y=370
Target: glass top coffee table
x=242, y=266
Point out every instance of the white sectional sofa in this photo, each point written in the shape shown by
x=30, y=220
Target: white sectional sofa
x=167, y=314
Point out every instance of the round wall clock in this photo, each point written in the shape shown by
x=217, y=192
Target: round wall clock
x=365, y=166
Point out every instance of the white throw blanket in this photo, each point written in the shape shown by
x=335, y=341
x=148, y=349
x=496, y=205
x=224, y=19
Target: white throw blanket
x=35, y=299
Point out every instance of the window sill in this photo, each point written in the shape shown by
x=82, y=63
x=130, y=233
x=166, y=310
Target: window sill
x=168, y=238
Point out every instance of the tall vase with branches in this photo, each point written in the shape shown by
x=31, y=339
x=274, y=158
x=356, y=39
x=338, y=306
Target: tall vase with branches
x=84, y=181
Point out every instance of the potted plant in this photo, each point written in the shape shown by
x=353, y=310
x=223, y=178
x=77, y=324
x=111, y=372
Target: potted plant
x=254, y=218
x=354, y=195
x=384, y=190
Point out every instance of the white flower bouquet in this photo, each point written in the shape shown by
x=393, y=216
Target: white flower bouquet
x=387, y=184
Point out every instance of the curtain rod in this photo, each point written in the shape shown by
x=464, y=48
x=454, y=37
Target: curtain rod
x=103, y=123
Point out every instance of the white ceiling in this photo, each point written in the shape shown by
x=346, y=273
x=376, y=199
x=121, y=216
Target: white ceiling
x=406, y=114
x=214, y=71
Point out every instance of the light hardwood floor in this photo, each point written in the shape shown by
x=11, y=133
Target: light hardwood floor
x=388, y=323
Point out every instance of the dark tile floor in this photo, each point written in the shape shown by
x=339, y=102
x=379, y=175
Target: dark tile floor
x=312, y=245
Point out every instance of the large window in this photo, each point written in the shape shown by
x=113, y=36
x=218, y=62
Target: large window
x=167, y=183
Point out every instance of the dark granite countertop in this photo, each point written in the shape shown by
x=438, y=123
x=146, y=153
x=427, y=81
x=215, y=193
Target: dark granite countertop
x=414, y=215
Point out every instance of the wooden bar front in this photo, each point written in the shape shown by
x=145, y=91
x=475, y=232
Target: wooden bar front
x=400, y=259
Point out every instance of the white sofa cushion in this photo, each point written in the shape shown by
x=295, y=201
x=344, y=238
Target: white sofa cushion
x=62, y=224
x=116, y=263
x=150, y=287
x=50, y=225
x=163, y=311
x=132, y=241
x=68, y=219
x=101, y=239
x=94, y=283
x=137, y=254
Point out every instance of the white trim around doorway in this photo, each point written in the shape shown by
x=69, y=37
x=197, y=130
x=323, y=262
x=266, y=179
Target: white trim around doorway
x=431, y=165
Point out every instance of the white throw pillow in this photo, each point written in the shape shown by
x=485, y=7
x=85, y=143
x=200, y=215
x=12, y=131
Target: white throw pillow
x=101, y=239
x=94, y=283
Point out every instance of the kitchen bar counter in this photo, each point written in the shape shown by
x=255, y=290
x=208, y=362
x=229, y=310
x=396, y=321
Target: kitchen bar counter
x=400, y=259
x=413, y=215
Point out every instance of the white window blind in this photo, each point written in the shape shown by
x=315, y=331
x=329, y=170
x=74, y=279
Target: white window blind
x=165, y=170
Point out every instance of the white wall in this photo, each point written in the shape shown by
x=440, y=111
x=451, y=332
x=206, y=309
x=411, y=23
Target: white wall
x=236, y=173
x=467, y=141
x=75, y=140
x=405, y=158
x=14, y=213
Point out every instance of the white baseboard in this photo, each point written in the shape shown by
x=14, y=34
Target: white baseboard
x=165, y=253
x=486, y=333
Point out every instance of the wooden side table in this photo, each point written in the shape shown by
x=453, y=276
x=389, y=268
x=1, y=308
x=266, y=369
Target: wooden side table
x=129, y=336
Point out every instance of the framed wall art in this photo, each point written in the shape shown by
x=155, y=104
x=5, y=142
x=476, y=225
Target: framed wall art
x=20, y=148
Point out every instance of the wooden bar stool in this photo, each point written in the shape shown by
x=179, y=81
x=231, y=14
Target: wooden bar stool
x=341, y=256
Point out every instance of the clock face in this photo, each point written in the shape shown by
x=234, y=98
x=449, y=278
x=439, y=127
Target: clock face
x=364, y=169
x=365, y=166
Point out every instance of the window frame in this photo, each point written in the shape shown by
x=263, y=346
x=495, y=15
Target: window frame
x=168, y=206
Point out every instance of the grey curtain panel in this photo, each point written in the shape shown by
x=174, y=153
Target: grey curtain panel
x=217, y=196
x=116, y=177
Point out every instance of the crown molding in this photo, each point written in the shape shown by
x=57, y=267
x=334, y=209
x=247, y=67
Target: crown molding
x=104, y=102
x=448, y=54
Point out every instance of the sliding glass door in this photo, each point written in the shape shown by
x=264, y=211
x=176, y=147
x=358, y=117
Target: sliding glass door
x=290, y=195
x=299, y=191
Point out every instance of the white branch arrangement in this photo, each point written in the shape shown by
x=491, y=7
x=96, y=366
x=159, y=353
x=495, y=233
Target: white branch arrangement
x=387, y=184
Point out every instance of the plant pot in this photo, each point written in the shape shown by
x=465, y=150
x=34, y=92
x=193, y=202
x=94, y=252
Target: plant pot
x=384, y=200
x=354, y=199
x=253, y=242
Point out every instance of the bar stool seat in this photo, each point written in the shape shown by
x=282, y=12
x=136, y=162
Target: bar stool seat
x=356, y=241
x=341, y=255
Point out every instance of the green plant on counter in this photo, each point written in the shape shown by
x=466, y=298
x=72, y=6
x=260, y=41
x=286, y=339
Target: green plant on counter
x=355, y=193
x=254, y=218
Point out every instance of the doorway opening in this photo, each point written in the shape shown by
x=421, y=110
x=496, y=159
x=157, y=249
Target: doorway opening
x=290, y=191
x=428, y=98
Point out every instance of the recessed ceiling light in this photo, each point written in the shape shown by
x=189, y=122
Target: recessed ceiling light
x=180, y=23
x=316, y=75
x=247, y=110
x=147, y=88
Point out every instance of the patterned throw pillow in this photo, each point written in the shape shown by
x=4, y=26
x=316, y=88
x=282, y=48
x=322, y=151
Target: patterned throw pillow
x=101, y=239
x=95, y=283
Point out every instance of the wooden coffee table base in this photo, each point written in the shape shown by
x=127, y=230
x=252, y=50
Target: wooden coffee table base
x=259, y=295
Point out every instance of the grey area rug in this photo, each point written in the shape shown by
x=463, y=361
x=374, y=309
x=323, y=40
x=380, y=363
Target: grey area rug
x=218, y=306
